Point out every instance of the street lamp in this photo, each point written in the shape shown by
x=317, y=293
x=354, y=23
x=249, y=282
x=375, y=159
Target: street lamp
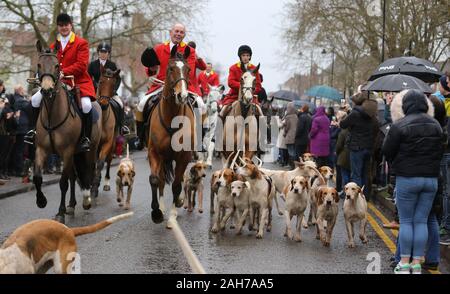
x=332, y=64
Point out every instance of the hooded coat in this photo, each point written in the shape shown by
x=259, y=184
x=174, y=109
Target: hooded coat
x=320, y=134
x=291, y=124
x=415, y=143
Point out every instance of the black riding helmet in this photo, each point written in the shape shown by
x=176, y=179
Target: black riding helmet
x=245, y=49
x=104, y=47
x=63, y=19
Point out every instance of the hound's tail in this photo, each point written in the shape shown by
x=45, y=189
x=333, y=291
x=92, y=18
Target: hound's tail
x=101, y=225
x=128, y=151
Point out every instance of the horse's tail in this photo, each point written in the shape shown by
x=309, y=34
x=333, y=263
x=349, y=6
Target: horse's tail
x=168, y=172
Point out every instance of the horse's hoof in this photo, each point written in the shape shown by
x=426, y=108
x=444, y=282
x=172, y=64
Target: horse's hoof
x=41, y=201
x=70, y=211
x=157, y=216
x=106, y=188
x=87, y=203
x=179, y=203
x=60, y=218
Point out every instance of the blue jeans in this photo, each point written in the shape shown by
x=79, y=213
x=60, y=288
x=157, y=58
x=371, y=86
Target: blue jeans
x=291, y=152
x=359, y=162
x=445, y=172
x=345, y=174
x=433, y=250
x=414, y=198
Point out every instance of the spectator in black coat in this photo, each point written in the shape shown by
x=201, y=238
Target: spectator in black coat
x=7, y=127
x=303, y=128
x=22, y=109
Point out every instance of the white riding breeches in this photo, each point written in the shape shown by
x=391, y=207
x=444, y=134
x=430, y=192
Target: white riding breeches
x=86, y=104
x=118, y=100
x=144, y=99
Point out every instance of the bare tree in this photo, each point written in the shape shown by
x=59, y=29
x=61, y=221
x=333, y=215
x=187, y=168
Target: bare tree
x=355, y=35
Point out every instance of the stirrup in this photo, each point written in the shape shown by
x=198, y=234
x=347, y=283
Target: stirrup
x=29, y=137
x=85, y=144
x=125, y=131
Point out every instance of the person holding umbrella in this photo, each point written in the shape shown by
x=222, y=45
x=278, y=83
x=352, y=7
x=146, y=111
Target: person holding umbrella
x=444, y=95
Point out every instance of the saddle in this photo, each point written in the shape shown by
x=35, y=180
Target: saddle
x=75, y=99
x=151, y=105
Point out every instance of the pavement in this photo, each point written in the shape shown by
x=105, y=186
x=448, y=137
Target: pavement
x=137, y=245
x=23, y=185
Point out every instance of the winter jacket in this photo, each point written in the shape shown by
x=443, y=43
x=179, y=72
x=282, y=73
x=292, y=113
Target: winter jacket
x=342, y=151
x=415, y=143
x=22, y=105
x=7, y=126
x=361, y=126
x=320, y=134
x=303, y=128
x=291, y=124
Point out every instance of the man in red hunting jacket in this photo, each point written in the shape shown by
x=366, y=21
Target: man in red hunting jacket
x=208, y=78
x=156, y=60
x=73, y=56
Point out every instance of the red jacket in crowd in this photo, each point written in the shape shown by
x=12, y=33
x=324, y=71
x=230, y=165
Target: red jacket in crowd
x=163, y=54
x=74, y=60
x=205, y=80
x=234, y=82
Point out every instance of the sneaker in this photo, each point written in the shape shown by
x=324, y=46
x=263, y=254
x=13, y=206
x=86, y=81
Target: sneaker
x=125, y=131
x=445, y=240
x=402, y=269
x=29, y=137
x=444, y=232
x=416, y=269
x=434, y=266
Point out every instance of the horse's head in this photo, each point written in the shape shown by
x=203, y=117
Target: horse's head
x=248, y=84
x=107, y=85
x=215, y=94
x=177, y=78
x=48, y=69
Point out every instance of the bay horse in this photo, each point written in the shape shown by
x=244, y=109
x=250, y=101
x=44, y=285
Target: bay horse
x=240, y=124
x=174, y=104
x=58, y=130
x=105, y=92
x=212, y=104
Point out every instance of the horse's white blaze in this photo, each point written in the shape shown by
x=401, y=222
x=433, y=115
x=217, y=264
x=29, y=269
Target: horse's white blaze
x=248, y=84
x=47, y=83
x=184, y=92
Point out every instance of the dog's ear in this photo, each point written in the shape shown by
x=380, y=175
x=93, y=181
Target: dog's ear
x=247, y=185
x=133, y=173
x=319, y=196
x=286, y=190
x=292, y=185
x=119, y=173
x=335, y=196
x=361, y=190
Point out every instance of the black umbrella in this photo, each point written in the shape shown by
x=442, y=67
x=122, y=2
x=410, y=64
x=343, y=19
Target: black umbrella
x=397, y=83
x=411, y=66
x=286, y=95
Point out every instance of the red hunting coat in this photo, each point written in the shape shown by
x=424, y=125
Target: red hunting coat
x=163, y=53
x=212, y=80
x=234, y=82
x=74, y=60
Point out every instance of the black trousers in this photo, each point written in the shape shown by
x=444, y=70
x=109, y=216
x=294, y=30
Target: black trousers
x=6, y=145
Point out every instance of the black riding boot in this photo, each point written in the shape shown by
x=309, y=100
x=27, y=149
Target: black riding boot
x=140, y=131
x=124, y=130
x=29, y=137
x=85, y=143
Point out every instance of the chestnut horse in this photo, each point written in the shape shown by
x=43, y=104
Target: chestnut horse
x=164, y=136
x=105, y=92
x=240, y=124
x=58, y=130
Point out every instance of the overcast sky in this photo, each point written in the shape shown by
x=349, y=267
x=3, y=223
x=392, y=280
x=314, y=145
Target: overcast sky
x=257, y=23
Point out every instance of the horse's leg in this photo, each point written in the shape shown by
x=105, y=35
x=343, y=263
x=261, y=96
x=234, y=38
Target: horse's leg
x=180, y=168
x=107, y=186
x=64, y=186
x=161, y=187
x=73, y=201
x=155, y=166
x=40, y=158
x=97, y=177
